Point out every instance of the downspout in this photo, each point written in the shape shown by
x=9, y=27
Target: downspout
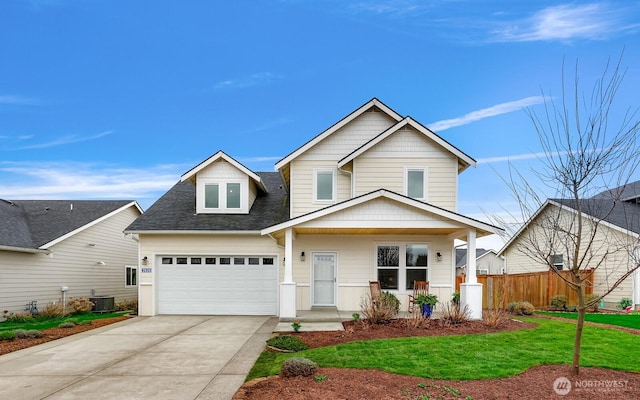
x=350, y=179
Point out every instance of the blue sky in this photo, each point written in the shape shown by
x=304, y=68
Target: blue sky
x=116, y=99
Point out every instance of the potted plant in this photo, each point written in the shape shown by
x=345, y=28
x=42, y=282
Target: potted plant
x=426, y=303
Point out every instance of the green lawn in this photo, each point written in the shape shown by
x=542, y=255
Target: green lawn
x=473, y=356
x=42, y=323
x=631, y=320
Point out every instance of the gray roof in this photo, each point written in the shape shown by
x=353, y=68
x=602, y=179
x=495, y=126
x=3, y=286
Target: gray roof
x=625, y=215
x=628, y=192
x=31, y=224
x=176, y=210
x=461, y=256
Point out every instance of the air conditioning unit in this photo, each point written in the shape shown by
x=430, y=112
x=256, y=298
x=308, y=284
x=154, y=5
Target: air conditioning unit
x=103, y=304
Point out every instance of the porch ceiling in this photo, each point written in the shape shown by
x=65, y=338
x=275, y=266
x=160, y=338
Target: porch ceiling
x=455, y=232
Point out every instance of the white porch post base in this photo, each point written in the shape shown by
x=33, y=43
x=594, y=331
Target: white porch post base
x=471, y=296
x=287, y=300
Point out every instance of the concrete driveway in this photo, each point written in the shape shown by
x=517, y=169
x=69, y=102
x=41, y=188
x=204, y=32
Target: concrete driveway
x=163, y=357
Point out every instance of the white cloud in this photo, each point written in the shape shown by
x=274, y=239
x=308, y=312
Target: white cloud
x=73, y=180
x=595, y=21
x=64, y=140
x=258, y=79
x=492, y=111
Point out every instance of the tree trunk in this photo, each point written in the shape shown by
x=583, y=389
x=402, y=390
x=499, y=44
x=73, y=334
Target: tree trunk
x=579, y=326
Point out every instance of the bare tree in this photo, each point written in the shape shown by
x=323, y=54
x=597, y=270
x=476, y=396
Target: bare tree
x=588, y=164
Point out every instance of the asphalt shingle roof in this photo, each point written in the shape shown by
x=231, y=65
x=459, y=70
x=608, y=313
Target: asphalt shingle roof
x=626, y=215
x=33, y=223
x=176, y=210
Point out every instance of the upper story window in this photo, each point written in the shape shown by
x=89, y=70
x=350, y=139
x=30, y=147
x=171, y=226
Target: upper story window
x=324, y=185
x=416, y=183
x=222, y=197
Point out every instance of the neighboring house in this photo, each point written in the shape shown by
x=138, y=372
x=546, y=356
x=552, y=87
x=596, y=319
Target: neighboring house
x=618, y=234
x=373, y=197
x=78, y=245
x=487, y=262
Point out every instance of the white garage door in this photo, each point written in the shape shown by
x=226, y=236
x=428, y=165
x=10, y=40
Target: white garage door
x=217, y=285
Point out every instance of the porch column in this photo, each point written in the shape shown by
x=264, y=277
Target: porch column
x=471, y=290
x=288, y=286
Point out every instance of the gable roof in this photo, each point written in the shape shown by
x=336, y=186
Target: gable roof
x=466, y=160
x=175, y=211
x=344, y=121
x=33, y=225
x=221, y=155
x=622, y=216
x=461, y=256
x=450, y=215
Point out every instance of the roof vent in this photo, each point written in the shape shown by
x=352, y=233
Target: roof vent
x=71, y=207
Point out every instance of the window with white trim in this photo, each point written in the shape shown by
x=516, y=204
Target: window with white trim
x=399, y=265
x=557, y=261
x=415, y=182
x=130, y=276
x=222, y=196
x=324, y=184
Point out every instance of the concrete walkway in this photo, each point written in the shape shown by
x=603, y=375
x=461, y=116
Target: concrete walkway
x=163, y=357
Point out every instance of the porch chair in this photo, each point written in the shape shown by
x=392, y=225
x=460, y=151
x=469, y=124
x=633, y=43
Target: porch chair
x=376, y=292
x=419, y=287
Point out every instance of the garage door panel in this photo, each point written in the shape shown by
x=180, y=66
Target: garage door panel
x=217, y=289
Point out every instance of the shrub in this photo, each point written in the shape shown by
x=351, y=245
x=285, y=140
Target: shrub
x=494, y=317
x=455, y=298
x=559, y=302
x=7, y=335
x=67, y=324
x=287, y=342
x=52, y=310
x=525, y=308
x=28, y=333
x=127, y=305
x=511, y=307
x=451, y=314
x=590, y=298
x=81, y=305
x=381, y=310
x=624, y=303
x=20, y=317
x=298, y=366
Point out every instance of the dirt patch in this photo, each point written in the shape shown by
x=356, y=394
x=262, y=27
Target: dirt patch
x=336, y=383
x=7, y=346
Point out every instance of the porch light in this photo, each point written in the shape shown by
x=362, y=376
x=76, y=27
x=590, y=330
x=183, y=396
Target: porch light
x=144, y=260
x=439, y=256
x=302, y=256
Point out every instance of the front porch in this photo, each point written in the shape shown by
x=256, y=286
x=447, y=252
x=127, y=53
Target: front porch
x=328, y=314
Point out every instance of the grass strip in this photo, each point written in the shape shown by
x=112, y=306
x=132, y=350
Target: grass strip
x=631, y=320
x=40, y=323
x=468, y=357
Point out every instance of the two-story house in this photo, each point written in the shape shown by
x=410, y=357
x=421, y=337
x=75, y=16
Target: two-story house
x=373, y=197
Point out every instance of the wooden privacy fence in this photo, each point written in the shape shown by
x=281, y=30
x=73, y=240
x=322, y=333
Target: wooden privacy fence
x=536, y=287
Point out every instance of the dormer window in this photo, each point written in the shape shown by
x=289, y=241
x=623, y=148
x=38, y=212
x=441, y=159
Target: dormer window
x=223, y=197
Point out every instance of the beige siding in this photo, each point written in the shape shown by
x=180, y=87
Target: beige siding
x=606, y=239
x=152, y=246
x=348, y=138
x=73, y=263
x=220, y=170
x=357, y=265
x=384, y=166
x=302, y=192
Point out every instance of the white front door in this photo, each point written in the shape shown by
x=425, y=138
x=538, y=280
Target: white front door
x=324, y=279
